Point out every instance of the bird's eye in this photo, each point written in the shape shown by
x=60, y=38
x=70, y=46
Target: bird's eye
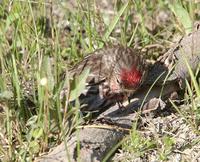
x=118, y=81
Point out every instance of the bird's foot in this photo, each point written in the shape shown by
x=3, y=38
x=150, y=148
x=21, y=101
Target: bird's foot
x=122, y=107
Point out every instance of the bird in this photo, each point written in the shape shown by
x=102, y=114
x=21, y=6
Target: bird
x=115, y=73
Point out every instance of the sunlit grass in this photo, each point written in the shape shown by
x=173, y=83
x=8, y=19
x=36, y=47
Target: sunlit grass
x=34, y=54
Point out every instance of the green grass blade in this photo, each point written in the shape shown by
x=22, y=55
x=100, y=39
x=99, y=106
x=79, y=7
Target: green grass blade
x=193, y=79
x=133, y=35
x=115, y=21
x=79, y=85
x=182, y=15
x=16, y=81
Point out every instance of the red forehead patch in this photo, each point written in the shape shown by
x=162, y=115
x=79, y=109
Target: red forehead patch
x=131, y=78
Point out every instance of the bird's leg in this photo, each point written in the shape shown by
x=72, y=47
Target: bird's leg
x=129, y=99
x=123, y=101
x=121, y=106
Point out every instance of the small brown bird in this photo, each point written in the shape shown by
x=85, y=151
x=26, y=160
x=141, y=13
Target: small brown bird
x=115, y=73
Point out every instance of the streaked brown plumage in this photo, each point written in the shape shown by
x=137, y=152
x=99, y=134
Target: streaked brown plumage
x=115, y=72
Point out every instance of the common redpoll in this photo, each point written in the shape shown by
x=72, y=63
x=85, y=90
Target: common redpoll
x=115, y=73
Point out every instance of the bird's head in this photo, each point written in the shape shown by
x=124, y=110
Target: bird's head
x=127, y=80
x=126, y=69
x=131, y=78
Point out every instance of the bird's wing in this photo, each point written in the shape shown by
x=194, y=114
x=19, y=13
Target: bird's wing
x=91, y=98
x=95, y=64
